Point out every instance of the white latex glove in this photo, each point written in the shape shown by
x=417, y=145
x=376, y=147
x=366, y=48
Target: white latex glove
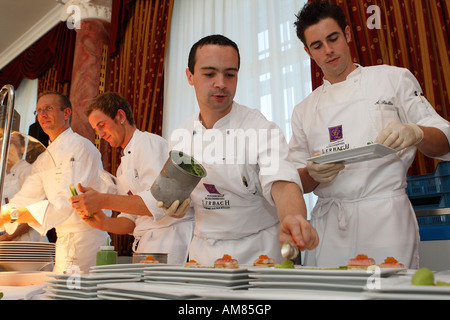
x=399, y=136
x=324, y=173
x=176, y=210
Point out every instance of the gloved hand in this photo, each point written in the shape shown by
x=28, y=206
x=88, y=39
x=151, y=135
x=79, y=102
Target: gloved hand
x=399, y=136
x=175, y=210
x=324, y=173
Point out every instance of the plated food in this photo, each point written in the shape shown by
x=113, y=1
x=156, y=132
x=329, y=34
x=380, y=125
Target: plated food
x=226, y=262
x=264, y=261
x=361, y=261
x=149, y=259
x=391, y=262
x=191, y=263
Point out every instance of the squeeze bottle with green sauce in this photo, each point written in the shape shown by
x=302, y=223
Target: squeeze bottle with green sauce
x=106, y=255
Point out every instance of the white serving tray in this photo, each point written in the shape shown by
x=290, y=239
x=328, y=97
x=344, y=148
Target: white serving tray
x=354, y=155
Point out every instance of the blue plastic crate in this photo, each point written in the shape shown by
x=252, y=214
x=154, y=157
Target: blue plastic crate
x=435, y=201
x=432, y=228
x=434, y=233
x=430, y=191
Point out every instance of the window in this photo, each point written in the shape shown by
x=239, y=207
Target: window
x=275, y=70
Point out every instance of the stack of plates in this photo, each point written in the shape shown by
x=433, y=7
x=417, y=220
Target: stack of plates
x=198, y=276
x=148, y=291
x=26, y=256
x=304, y=278
x=401, y=288
x=129, y=268
x=82, y=286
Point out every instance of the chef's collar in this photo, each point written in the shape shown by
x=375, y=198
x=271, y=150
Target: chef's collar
x=222, y=122
x=61, y=136
x=355, y=73
x=127, y=148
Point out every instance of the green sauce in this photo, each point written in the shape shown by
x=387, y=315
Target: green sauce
x=192, y=168
x=106, y=255
x=286, y=264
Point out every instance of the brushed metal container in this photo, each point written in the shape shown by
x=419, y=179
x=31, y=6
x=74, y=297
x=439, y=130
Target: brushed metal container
x=174, y=182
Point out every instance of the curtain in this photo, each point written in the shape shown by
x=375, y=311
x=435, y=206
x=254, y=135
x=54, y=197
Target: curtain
x=137, y=69
x=275, y=70
x=414, y=34
x=55, y=49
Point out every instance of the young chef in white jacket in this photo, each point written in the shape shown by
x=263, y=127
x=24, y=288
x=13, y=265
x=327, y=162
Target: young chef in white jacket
x=143, y=156
x=240, y=203
x=362, y=208
x=43, y=200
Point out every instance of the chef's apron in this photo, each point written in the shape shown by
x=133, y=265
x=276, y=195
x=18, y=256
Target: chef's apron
x=232, y=215
x=356, y=214
x=167, y=235
x=77, y=243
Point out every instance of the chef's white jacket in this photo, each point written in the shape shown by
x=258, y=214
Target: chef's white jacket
x=70, y=158
x=243, y=155
x=365, y=210
x=11, y=185
x=141, y=162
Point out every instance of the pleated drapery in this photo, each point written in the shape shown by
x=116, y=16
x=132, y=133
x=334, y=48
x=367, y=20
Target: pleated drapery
x=137, y=68
x=52, y=51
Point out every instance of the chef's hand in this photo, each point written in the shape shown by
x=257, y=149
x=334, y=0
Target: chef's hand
x=399, y=136
x=24, y=217
x=95, y=220
x=324, y=173
x=87, y=202
x=297, y=230
x=176, y=210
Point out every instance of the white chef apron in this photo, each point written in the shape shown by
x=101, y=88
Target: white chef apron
x=167, y=235
x=166, y=240
x=78, y=249
x=232, y=218
x=355, y=214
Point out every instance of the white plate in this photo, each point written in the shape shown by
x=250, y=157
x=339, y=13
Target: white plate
x=26, y=244
x=87, y=285
x=198, y=280
x=360, y=281
x=92, y=276
x=208, y=269
x=61, y=296
x=354, y=155
x=307, y=285
x=24, y=266
x=200, y=274
x=280, y=294
x=73, y=292
x=403, y=286
x=325, y=271
x=163, y=291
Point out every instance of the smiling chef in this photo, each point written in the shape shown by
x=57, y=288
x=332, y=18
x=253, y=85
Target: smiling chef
x=43, y=200
x=362, y=208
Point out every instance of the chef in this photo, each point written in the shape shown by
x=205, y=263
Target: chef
x=43, y=200
x=362, y=208
x=17, y=169
x=240, y=203
x=143, y=155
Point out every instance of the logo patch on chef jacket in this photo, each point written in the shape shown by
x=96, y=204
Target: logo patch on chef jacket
x=211, y=188
x=335, y=133
x=214, y=200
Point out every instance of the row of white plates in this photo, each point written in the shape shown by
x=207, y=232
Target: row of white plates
x=155, y=282
x=26, y=255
